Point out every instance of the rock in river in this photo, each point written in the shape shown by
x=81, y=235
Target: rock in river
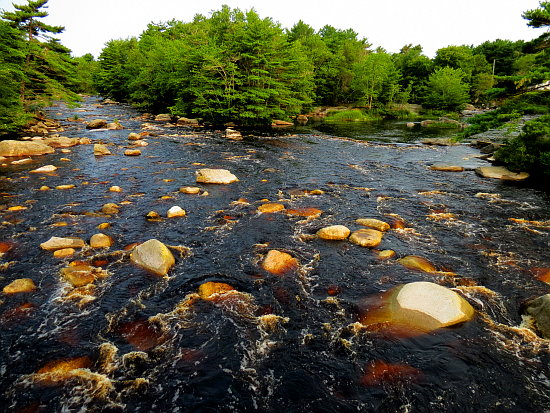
x=539, y=310
x=96, y=124
x=100, y=149
x=210, y=288
x=21, y=285
x=500, y=172
x=373, y=223
x=277, y=262
x=57, y=243
x=366, y=237
x=24, y=148
x=418, y=307
x=270, y=208
x=215, y=176
x=414, y=262
x=101, y=241
x=153, y=256
x=334, y=232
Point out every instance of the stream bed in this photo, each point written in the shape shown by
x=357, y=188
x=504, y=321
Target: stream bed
x=142, y=350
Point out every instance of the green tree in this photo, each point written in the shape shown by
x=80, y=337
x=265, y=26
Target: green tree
x=539, y=17
x=446, y=89
x=415, y=68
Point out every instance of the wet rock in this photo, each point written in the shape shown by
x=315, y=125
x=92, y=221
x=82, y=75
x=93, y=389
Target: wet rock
x=175, y=211
x=153, y=256
x=305, y=212
x=110, y=209
x=23, y=148
x=447, y=168
x=379, y=373
x=190, y=190
x=44, y=188
x=418, y=307
x=539, y=310
x=233, y=134
x=134, y=136
x=279, y=123
x=302, y=119
x=277, y=262
x=163, y=117
x=153, y=216
x=101, y=241
x=104, y=225
x=100, y=150
x=414, y=262
x=187, y=122
x=82, y=274
x=215, y=176
x=439, y=141
x=334, y=232
x=96, y=124
x=115, y=188
x=208, y=289
x=58, y=371
x=500, y=172
x=411, y=124
x=270, y=208
x=542, y=274
x=373, y=223
x=114, y=126
x=61, y=142
x=57, y=243
x=366, y=237
x=44, y=169
x=67, y=186
x=132, y=152
x=64, y=253
x=21, y=285
x=140, y=143
x=84, y=141
x=385, y=254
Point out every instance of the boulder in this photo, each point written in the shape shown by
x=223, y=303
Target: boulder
x=190, y=190
x=418, y=307
x=100, y=149
x=134, y=136
x=101, y=241
x=44, y=169
x=59, y=371
x=82, y=274
x=21, y=285
x=187, y=122
x=132, y=152
x=215, y=176
x=233, y=134
x=539, y=310
x=24, y=148
x=500, y=172
x=114, y=126
x=270, y=208
x=447, y=168
x=277, y=262
x=373, y=223
x=57, y=243
x=163, y=117
x=414, y=262
x=175, y=211
x=334, y=232
x=366, y=237
x=208, y=289
x=61, y=142
x=153, y=256
x=96, y=124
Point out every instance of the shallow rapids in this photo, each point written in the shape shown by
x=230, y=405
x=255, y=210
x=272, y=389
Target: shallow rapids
x=293, y=342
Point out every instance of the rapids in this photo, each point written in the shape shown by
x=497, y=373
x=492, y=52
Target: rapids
x=135, y=341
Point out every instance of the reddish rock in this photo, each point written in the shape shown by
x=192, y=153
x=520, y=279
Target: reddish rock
x=277, y=262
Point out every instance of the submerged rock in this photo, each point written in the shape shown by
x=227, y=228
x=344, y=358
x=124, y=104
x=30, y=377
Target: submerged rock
x=24, y=148
x=110, y=209
x=100, y=150
x=82, y=274
x=539, y=310
x=366, y=237
x=373, y=223
x=57, y=243
x=153, y=256
x=208, y=289
x=59, y=371
x=414, y=262
x=270, y=208
x=101, y=241
x=21, y=285
x=418, y=307
x=500, y=172
x=307, y=212
x=277, y=262
x=334, y=232
x=215, y=176
x=190, y=190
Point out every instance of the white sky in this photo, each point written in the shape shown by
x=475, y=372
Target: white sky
x=391, y=24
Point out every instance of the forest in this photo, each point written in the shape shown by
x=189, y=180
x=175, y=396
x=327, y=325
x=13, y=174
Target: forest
x=236, y=66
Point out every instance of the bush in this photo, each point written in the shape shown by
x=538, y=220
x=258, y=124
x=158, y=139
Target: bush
x=352, y=115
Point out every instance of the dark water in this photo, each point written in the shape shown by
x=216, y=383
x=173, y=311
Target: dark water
x=148, y=354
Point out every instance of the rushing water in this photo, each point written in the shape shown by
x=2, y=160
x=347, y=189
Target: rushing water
x=146, y=353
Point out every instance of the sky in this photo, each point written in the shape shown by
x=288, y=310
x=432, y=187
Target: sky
x=390, y=24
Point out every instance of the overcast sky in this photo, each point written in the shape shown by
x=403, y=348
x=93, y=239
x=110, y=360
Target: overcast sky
x=391, y=24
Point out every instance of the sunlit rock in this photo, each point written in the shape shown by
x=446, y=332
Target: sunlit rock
x=542, y=274
x=215, y=176
x=190, y=190
x=270, y=208
x=281, y=123
x=302, y=119
x=84, y=141
x=115, y=188
x=104, y=225
x=163, y=117
x=58, y=371
x=305, y=212
x=140, y=143
x=277, y=262
x=22, y=161
x=175, y=211
x=44, y=169
x=21, y=285
x=17, y=208
x=416, y=308
x=57, y=243
x=66, y=186
x=208, y=289
x=143, y=335
x=366, y=237
x=110, y=208
x=182, y=121
x=44, y=188
x=539, y=310
x=233, y=134
x=23, y=148
x=334, y=232
x=96, y=124
x=439, y=141
x=447, y=168
x=385, y=254
x=153, y=256
x=116, y=125
x=134, y=136
x=378, y=373
x=153, y=216
x=61, y=142
x=101, y=241
x=500, y=172
x=100, y=150
x=132, y=152
x=64, y=253
x=80, y=275
x=414, y=262
x=373, y=223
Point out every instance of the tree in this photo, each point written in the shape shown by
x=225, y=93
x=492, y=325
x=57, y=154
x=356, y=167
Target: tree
x=446, y=89
x=539, y=17
x=415, y=68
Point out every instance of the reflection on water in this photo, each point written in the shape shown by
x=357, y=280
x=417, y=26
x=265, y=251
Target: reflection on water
x=274, y=342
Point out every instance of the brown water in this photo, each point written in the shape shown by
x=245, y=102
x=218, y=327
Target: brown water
x=286, y=343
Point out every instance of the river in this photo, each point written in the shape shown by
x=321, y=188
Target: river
x=142, y=351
